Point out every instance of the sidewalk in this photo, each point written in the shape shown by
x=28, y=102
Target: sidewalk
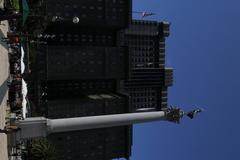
x=4, y=74
x=1, y=3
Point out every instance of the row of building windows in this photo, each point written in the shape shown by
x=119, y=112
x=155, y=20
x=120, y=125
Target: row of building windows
x=141, y=48
x=143, y=65
x=74, y=84
x=78, y=62
x=92, y=67
x=75, y=88
x=91, y=139
x=145, y=105
x=142, y=93
x=139, y=43
x=145, y=61
x=142, y=60
x=83, y=41
x=84, y=38
x=83, y=3
x=142, y=53
x=90, y=36
x=89, y=16
x=144, y=90
x=141, y=99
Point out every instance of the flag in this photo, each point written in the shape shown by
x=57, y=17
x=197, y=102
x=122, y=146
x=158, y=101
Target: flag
x=145, y=14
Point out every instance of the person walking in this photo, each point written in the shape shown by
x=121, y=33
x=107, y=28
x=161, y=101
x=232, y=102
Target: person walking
x=5, y=15
x=10, y=129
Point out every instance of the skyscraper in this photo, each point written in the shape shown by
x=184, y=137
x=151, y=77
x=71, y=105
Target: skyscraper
x=149, y=79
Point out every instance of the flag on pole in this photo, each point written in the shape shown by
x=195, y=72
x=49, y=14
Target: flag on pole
x=145, y=14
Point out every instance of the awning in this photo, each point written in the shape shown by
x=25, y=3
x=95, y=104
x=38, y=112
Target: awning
x=25, y=11
x=22, y=60
x=24, y=101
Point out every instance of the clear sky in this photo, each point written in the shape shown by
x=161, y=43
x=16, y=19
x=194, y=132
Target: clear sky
x=204, y=49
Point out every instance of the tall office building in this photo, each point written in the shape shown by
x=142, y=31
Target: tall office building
x=80, y=70
x=105, y=64
x=149, y=79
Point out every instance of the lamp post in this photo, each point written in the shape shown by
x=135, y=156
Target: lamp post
x=74, y=20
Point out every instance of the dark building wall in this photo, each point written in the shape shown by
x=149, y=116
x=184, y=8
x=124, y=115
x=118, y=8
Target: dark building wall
x=96, y=144
x=89, y=105
x=73, y=35
x=144, y=99
x=72, y=62
x=100, y=144
x=146, y=42
x=102, y=13
x=168, y=77
x=151, y=77
x=164, y=98
x=148, y=78
x=40, y=65
x=58, y=89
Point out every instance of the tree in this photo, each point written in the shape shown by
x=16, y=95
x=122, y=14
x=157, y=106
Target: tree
x=41, y=149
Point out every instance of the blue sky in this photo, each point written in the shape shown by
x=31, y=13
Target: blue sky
x=204, y=50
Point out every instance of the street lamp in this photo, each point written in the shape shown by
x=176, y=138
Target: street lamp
x=75, y=19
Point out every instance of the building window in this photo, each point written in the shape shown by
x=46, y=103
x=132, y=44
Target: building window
x=100, y=17
x=91, y=7
x=75, y=6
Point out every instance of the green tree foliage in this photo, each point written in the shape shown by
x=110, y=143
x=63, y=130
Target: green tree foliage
x=37, y=20
x=41, y=149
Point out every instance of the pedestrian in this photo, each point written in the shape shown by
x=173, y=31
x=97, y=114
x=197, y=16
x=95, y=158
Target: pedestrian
x=16, y=105
x=13, y=37
x=15, y=82
x=10, y=129
x=2, y=11
x=9, y=16
x=15, y=87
